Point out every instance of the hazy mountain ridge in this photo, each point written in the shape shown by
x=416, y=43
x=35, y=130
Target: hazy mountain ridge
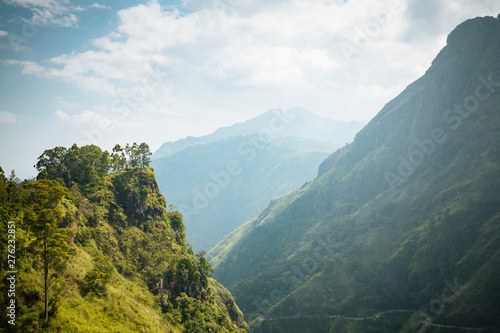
x=221, y=180
x=297, y=122
x=394, y=218
x=220, y=185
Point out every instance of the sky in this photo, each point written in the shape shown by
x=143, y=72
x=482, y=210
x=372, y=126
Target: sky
x=111, y=72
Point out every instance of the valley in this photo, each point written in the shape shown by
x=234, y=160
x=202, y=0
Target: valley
x=286, y=221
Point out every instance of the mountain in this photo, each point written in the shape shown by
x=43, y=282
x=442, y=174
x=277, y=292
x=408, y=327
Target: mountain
x=220, y=185
x=113, y=258
x=221, y=180
x=294, y=122
x=400, y=230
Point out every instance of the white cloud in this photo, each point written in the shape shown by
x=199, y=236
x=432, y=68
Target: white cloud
x=243, y=55
x=35, y=3
x=7, y=117
x=29, y=67
x=49, y=12
x=95, y=120
x=96, y=5
x=61, y=101
x=45, y=17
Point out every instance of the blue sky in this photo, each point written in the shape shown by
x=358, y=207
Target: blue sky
x=111, y=72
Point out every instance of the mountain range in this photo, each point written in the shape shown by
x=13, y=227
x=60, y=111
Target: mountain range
x=295, y=122
x=221, y=180
x=400, y=229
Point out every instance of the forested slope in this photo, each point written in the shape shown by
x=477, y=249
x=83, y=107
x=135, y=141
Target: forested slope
x=104, y=251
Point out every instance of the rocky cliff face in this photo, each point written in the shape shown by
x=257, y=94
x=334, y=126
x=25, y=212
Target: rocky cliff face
x=139, y=196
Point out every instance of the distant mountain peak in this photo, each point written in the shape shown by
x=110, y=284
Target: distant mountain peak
x=294, y=122
x=300, y=111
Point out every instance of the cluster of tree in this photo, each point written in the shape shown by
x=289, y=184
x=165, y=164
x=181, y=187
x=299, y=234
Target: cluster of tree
x=187, y=274
x=87, y=164
x=130, y=156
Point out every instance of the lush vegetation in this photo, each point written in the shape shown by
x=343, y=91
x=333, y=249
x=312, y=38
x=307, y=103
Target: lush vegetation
x=88, y=164
x=97, y=250
x=405, y=218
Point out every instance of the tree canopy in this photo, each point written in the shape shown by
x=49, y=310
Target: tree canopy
x=88, y=164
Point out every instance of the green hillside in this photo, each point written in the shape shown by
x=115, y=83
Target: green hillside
x=115, y=259
x=400, y=231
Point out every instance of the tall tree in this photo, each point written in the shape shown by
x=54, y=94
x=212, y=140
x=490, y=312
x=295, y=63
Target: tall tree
x=118, y=159
x=73, y=163
x=134, y=157
x=144, y=154
x=51, y=242
x=128, y=152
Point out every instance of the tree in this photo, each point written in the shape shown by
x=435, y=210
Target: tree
x=204, y=268
x=144, y=154
x=134, y=157
x=123, y=155
x=3, y=188
x=51, y=243
x=118, y=159
x=128, y=150
x=93, y=158
x=116, y=162
x=12, y=194
x=50, y=165
x=75, y=165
